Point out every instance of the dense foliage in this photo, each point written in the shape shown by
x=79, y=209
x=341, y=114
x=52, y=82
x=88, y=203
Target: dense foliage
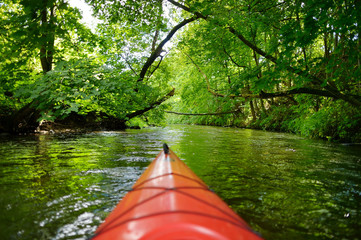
x=289, y=66
x=278, y=65
x=56, y=66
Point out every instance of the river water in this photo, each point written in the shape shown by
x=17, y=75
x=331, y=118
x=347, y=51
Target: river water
x=284, y=186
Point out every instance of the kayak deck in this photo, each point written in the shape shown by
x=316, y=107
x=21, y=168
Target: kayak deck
x=169, y=201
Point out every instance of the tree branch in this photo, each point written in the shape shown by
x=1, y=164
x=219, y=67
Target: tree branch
x=202, y=114
x=294, y=91
x=128, y=63
x=156, y=67
x=177, y=4
x=159, y=48
x=206, y=78
x=264, y=95
x=230, y=57
x=153, y=105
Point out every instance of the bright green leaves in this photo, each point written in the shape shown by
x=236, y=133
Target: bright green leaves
x=236, y=52
x=143, y=15
x=86, y=85
x=82, y=71
x=34, y=36
x=68, y=88
x=245, y=49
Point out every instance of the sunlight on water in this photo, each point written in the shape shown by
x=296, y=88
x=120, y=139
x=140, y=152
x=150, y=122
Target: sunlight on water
x=286, y=187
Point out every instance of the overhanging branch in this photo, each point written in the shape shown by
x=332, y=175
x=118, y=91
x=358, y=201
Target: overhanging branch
x=264, y=95
x=151, y=106
x=202, y=114
x=294, y=91
x=159, y=48
x=231, y=58
x=206, y=78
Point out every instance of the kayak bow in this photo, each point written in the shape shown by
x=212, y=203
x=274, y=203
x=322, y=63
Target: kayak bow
x=170, y=202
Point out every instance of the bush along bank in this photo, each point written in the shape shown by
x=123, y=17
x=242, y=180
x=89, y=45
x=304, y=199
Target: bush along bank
x=334, y=121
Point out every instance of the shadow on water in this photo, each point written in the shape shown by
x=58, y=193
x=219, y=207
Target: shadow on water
x=286, y=187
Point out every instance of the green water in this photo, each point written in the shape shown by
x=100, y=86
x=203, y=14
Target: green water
x=286, y=187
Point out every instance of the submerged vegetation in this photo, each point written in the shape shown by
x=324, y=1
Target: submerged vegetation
x=278, y=65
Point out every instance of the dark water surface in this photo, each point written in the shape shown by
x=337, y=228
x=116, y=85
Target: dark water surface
x=286, y=187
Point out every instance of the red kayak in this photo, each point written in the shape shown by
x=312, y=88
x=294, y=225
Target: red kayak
x=170, y=202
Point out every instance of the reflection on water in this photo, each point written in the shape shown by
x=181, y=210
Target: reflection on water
x=286, y=187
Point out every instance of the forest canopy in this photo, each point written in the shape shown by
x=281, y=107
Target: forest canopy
x=278, y=65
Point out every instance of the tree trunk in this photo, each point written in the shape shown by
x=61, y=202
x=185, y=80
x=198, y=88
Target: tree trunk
x=26, y=119
x=47, y=38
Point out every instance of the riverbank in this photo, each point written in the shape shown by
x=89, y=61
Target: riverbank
x=73, y=123
x=335, y=122
x=331, y=125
